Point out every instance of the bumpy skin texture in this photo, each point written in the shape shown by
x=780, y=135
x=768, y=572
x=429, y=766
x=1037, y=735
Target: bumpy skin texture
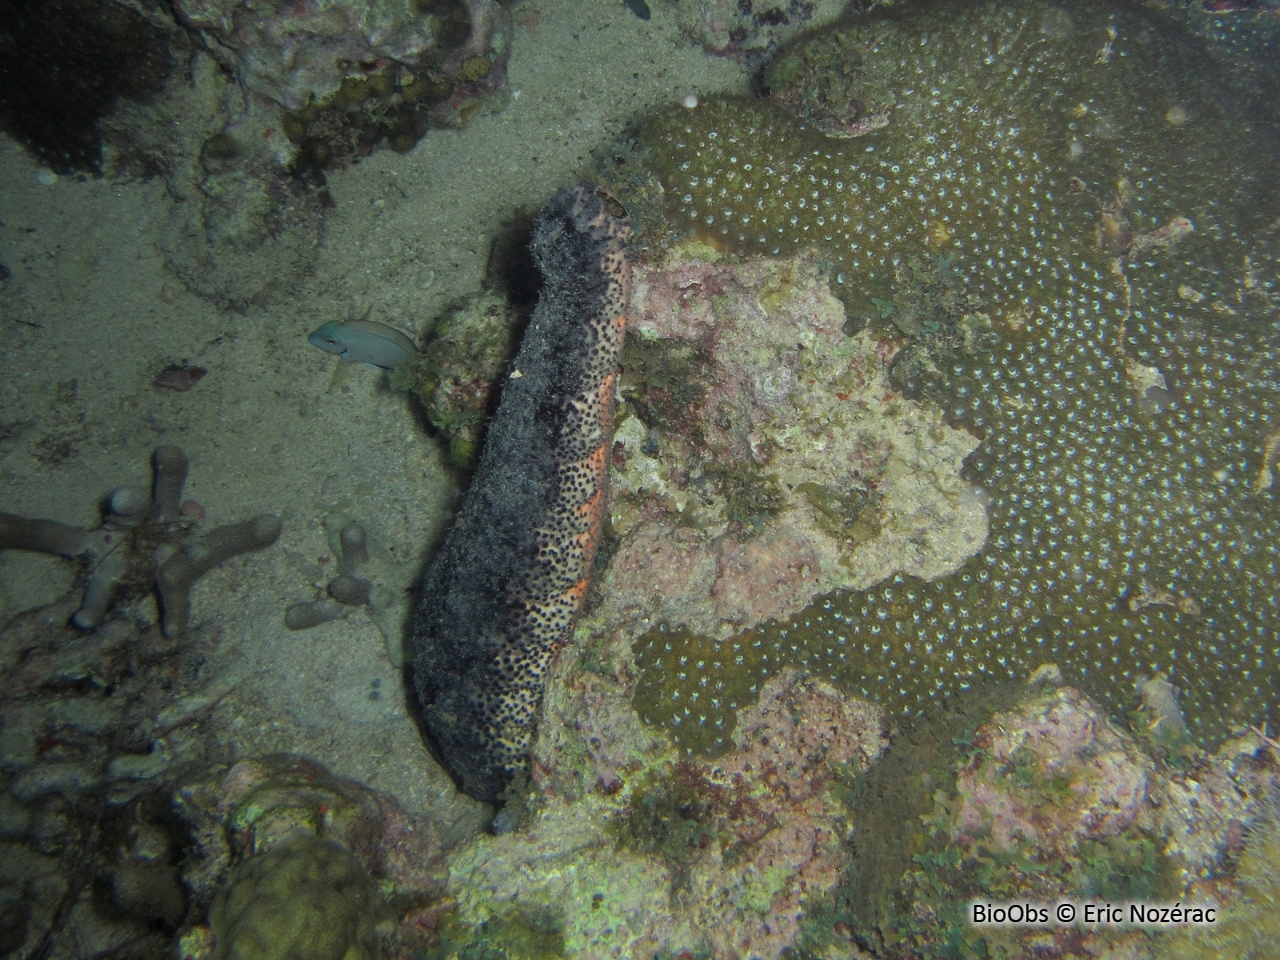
x=502, y=595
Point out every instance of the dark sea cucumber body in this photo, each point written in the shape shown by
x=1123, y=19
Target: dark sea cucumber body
x=502, y=595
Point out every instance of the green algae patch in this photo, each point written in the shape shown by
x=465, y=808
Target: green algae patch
x=847, y=515
x=475, y=68
x=752, y=498
x=519, y=934
x=668, y=815
x=943, y=322
x=364, y=110
x=666, y=383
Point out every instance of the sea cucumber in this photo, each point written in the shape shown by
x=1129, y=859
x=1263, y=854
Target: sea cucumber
x=502, y=594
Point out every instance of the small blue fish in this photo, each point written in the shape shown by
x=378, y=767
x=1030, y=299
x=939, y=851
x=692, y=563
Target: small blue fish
x=365, y=341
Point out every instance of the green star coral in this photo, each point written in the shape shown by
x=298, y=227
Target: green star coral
x=1083, y=170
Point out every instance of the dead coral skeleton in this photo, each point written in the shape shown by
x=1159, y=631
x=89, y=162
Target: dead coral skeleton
x=346, y=590
x=143, y=544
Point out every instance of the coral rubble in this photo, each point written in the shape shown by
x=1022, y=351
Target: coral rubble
x=95, y=730
x=294, y=861
x=687, y=857
x=145, y=543
x=328, y=81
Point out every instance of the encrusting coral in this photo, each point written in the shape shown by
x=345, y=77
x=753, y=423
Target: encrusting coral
x=145, y=543
x=1042, y=801
x=1108, y=213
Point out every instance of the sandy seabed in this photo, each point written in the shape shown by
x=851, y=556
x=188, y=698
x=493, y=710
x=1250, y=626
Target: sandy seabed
x=92, y=313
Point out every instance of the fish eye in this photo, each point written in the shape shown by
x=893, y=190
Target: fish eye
x=332, y=341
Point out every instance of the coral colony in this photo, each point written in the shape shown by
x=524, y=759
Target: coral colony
x=1077, y=171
